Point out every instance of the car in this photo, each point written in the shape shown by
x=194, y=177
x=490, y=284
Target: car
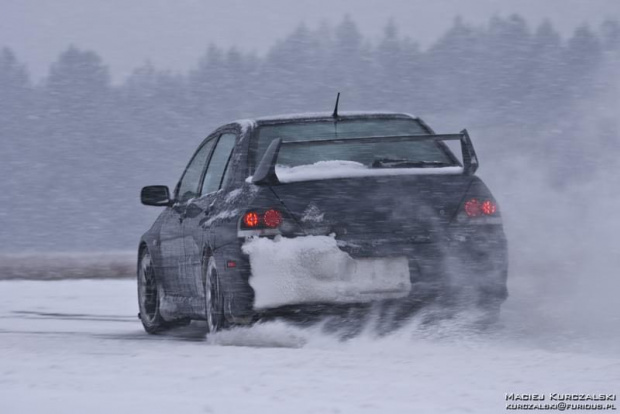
x=313, y=214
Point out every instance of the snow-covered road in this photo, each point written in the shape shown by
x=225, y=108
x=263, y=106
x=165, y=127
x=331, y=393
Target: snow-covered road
x=76, y=346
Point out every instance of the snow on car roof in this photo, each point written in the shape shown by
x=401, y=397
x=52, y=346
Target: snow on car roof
x=321, y=115
x=245, y=124
x=248, y=123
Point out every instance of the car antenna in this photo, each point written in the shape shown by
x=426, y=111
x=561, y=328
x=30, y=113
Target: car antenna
x=335, y=114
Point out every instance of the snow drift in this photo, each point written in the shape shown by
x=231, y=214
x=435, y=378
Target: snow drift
x=313, y=269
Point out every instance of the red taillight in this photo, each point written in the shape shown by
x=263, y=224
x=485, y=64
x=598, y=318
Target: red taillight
x=488, y=207
x=272, y=218
x=472, y=208
x=476, y=208
x=251, y=219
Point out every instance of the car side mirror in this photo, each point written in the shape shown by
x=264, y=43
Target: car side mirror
x=155, y=195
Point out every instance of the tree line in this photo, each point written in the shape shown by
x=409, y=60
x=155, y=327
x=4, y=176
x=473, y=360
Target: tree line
x=76, y=148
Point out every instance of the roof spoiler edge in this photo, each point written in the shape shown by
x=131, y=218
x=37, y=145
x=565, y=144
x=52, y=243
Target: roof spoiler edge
x=265, y=173
x=470, y=159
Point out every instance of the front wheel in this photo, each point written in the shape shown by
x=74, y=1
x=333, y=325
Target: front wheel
x=148, y=295
x=213, y=296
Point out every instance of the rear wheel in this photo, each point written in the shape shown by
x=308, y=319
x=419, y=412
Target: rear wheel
x=214, y=307
x=491, y=312
x=148, y=295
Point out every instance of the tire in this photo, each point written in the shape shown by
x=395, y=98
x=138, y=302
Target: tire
x=148, y=296
x=214, y=313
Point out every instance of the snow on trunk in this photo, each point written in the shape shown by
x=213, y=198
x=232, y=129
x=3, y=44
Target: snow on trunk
x=324, y=170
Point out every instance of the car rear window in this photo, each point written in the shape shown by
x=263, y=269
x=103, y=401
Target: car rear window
x=365, y=153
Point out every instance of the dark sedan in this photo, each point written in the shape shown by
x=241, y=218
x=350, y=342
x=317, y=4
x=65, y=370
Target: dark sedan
x=317, y=213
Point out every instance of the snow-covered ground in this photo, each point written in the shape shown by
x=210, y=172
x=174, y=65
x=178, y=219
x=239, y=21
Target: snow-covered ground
x=53, y=266
x=76, y=346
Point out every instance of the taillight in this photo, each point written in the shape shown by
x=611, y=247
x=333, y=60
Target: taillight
x=472, y=208
x=272, y=218
x=488, y=207
x=477, y=208
x=251, y=219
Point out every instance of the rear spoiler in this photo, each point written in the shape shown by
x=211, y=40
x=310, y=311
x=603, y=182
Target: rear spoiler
x=265, y=173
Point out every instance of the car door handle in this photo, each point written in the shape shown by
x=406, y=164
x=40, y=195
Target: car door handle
x=182, y=215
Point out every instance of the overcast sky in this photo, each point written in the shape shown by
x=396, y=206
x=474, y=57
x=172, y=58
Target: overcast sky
x=173, y=34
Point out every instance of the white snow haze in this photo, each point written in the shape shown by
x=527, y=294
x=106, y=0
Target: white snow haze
x=173, y=34
x=100, y=98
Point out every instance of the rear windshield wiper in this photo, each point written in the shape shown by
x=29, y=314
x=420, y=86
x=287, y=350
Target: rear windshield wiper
x=404, y=163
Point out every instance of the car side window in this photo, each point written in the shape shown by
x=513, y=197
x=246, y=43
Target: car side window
x=188, y=187
x=219, y=161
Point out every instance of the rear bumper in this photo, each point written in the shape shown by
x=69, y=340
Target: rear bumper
x=470, y=264
x=461, y=259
